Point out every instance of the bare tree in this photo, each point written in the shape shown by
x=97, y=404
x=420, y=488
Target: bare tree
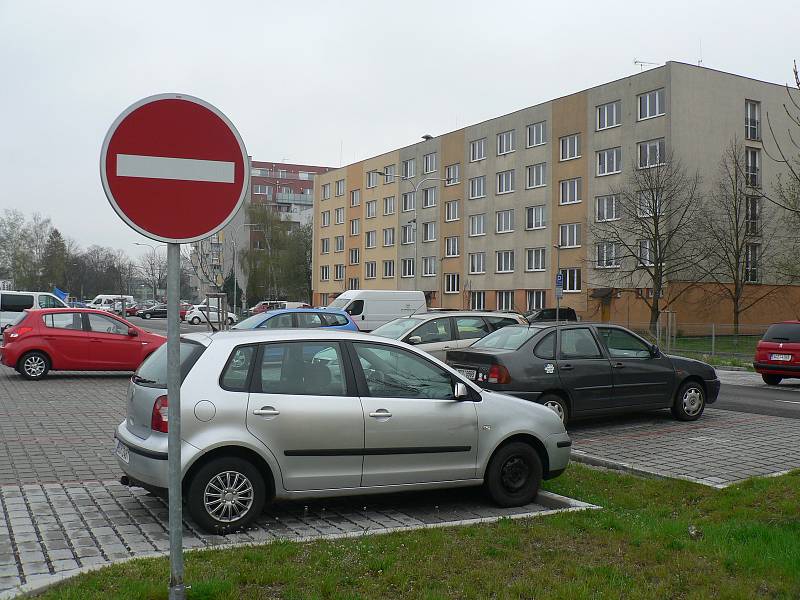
x=152, y=267
x=786, y=190
x=645, y=231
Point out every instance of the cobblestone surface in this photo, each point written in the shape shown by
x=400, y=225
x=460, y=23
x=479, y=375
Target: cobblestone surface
x=720, y=448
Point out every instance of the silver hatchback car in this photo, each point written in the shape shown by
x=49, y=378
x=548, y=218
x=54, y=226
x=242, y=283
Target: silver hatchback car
x=294, y=414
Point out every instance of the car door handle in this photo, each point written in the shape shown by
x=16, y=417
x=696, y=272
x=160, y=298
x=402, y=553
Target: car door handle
x=565, y=367
x=380, y=413
x=618, y=365
x=266, y=411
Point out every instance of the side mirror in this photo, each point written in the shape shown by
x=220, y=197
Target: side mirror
x=133, y=332
x=460, y=391
x=654, y=350
x=414, y=340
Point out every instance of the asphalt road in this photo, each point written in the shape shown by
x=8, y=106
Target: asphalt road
x=780, y=401
x=160, y=325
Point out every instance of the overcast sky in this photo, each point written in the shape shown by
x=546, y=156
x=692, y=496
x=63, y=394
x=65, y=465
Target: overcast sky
x=321, y=82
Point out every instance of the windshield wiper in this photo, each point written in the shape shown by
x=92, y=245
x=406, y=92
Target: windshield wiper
x=138, y=379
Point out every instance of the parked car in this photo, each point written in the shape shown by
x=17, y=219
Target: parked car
x=290, y=414
x=111, y=302
x=76, y=304
x=565, y=313
x=596, y=369
x=266, y=305
x=130, y=311
x=299, y=318
x=184, y=308
x=197, y=314
x=13, y=304
x=778, y=353
x=438, y=332
x=372, y=308
x=155, y=311
x=64, y=339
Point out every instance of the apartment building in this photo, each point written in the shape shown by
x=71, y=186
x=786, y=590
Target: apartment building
x=473, y=217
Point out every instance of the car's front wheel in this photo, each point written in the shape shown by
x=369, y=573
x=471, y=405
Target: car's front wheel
x=34, y=365
x=147, y=315
x=771, y=379
x=690, y=401
x=513, y=475
x=195, y=321
x=225, y=495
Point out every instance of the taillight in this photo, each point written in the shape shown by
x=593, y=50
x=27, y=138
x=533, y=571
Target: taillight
x=159, y=419
x=498, y=374
x=18, y=332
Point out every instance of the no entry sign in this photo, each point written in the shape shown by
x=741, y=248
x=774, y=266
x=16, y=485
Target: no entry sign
x=174, y=168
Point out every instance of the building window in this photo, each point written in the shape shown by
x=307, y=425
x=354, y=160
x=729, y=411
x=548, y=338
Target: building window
x=372, y=209
x=651, y=104
x=323, y=299
x=570, y=191
x=536, y=299
x=477, y=263
x=338, y=272
x=325, y=245
x=428, y=197
x=326, y=191
x=505, y=142
x=428, y=266
x=354, y=256
x=609, y=161
x=339, y=243
x=570, y=146
x=752, y=120
x=451, y=246
x=477, y=300
x=452, y=283
x=505, y=261
x=607, y=255
x=752, y=167
x=477, y=225
x=355, y=197
x=649, y=204
x=388, y=236
x=477, y=187
x=372, y=179
x=609, y=115
x=751, y=263
x=326, y=218
x=352, y=283
x=569, y=235
x=752, y=215
x=388, y=205
x=505, y=300
x=535, y=259
x=371, y=239
x=407, y=267
x=325, y=273
x=340, y=187
x=534, y=217
x=370, y=269
x=338, y=215
x=572, y=279
x=477, y=150
x=407, y=234
x=646, y=257
x=262, y=189
x=388, y=269
x=429, y=163
x=429, y=231
x=408, y=201
x=505, y=182
x=651, y=153
x=607, y=208
x=389, y=172
x=451, y=210
x=355, y=226
x=409, y=168
x=535, y=175
x=505, y=221
x=451, y=174
x=537, y=134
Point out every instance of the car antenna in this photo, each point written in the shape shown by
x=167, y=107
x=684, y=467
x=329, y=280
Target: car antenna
x=415, y=311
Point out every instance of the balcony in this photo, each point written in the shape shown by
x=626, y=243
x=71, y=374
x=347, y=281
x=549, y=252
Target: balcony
x=295, y=198
x=303, y=175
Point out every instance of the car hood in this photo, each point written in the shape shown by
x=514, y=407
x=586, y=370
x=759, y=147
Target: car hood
x=693, y=366
x=498, y=403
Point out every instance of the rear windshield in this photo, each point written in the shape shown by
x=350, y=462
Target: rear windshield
x=153, y=371
x=783, y=332
x=508, y=338
x=397, y=328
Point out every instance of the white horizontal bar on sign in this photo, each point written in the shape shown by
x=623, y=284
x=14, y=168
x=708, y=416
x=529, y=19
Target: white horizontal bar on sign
x=186, y=169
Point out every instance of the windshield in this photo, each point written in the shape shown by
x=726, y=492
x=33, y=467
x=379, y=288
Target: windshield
x=251, y=322
x=153, y=371
x=340, y=302
x=507, y=338
x=397, y=329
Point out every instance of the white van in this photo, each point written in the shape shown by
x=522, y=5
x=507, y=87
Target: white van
x=108, y=301
x=13, y=303
x=370, y=309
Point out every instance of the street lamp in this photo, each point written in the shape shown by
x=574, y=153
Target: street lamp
x=558, y=291
x=153, y=248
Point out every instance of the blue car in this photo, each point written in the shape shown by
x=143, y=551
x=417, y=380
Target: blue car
x=299, y=318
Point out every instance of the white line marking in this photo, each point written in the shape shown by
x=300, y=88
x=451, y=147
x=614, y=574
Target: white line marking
x=786, y=401
x=186, y=169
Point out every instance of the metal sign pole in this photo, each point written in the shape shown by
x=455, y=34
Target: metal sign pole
x=177, y=590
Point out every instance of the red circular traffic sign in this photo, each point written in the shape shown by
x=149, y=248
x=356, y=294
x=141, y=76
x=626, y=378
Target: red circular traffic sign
x=174, y=168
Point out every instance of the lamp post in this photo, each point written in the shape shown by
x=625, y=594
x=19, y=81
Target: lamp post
x=559, y=289
x=153, y=248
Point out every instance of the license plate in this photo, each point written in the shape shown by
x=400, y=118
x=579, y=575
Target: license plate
x=784, y=357
x=122, y=452
x=468, y=373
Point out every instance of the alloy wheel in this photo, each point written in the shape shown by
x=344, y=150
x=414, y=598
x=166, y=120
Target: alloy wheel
x=34, y=366
x=228, y=496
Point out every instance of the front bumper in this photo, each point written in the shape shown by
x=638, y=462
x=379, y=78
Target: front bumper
x=558, y=448
x=712, y=390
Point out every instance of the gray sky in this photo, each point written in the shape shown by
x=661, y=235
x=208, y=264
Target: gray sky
x=325, y=83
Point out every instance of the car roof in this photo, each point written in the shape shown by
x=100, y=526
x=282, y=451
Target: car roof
x=426, y=316
x=69, y=309
x=249, y=336
x=278, y=311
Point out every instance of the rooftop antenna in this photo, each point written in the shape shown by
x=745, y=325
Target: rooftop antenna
x=643, y=63
x=700, y=60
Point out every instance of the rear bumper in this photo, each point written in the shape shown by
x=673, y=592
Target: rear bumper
x=7, y=358
x=777, y=369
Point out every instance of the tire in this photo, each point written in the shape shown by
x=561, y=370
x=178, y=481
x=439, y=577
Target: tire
x=771, y=379
x=225, y=471
x=147, y=315
x=230, y=321
x=195, y=321
x=34, y=365
x=513, y=475
x=690, y=401
x=557, y=404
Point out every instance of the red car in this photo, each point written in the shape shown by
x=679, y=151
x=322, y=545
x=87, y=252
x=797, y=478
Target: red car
x=74, y=339
x=184, y=308
x=778, y=353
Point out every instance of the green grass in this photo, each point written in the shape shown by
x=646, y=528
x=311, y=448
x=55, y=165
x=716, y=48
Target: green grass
x=653, y=539
x=743, y=345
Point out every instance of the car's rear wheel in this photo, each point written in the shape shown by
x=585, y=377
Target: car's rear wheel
x=195, y=320
x=147, y=315
x=34, y=365
x=513, y=475
x=226, y=494
x=771, y=379
x=690, y=401
x=557, y=405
